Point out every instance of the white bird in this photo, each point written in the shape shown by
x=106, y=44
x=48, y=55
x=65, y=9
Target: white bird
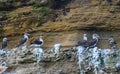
x=24, y=40
x=4, y=44
x=57, y=49
x=38, y=43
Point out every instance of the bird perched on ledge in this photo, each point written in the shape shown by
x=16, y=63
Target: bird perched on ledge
x=93, y=42
x=4, y=44
x=24, y=40
x=112, y=42
x=38, y=43
x=82, y=43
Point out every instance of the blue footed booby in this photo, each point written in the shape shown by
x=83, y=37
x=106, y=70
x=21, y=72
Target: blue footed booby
x=4, y=44
x=93, y=42
x=24, y=40
x=82, y=43
x=38, y=42
x=112, y=42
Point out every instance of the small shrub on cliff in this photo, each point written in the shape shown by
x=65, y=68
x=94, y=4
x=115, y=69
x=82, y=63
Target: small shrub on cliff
x=3, y=17
x=42, y=9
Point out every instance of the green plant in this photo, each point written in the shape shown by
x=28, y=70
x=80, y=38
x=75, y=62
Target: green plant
x=42, y=11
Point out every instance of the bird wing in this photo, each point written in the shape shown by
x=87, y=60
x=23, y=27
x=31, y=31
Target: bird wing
x=37, y=42
x=81, y=42
x=90, y=43
x=4, y=44
x=22, y=42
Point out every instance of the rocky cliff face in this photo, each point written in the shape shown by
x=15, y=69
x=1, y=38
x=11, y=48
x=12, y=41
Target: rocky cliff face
x=90, y=14
x=24, y=61
x=81, y=14
x=67, y=27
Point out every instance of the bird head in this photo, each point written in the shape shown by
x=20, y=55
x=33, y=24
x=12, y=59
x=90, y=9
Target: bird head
x=95, y=36
x=4, y=39
x=26, y=34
